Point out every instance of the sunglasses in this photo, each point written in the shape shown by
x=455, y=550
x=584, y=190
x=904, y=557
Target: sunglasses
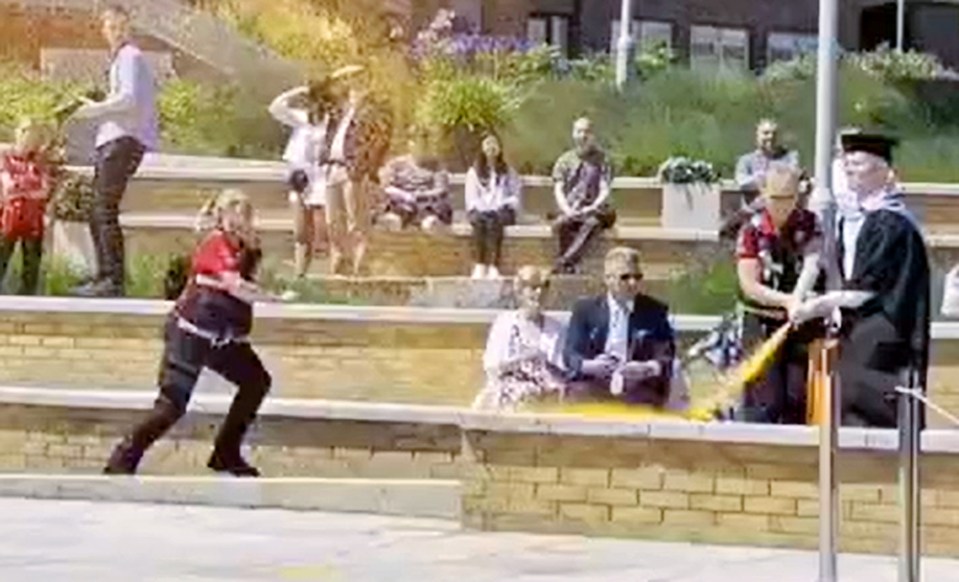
x=626, y=277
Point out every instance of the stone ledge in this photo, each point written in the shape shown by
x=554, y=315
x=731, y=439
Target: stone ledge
x=941, y=330
x=407, y=498
x=204, y=168
x=644, y=233
x=299, y=311
x=933, y=441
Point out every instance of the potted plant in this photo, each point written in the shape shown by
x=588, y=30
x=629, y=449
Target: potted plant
x=691, y=198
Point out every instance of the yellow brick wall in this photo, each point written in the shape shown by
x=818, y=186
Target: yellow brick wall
x=696, y=491
x=52, y=439
x=428, y=363
x=413, y=254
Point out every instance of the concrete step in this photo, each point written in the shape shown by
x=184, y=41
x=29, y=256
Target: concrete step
x=438, y=499
x=414, y=254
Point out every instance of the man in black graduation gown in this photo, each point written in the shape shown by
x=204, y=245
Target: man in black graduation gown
x=885, y=296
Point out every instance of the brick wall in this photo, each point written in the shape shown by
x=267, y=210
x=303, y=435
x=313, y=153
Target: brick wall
x=367, y=358
x=413, y=254
x=58, y=439
x=696, y=491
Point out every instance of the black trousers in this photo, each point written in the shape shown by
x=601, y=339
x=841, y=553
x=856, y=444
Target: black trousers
x=576, y=234
x=488, y=228
x=871, y=363
x=31, y=253
x=116, y=162
x=185, y=355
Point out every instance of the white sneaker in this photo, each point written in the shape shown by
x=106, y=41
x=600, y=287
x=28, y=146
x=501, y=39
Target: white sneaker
x=479, y=271
x=492, y=272
x=289, y=295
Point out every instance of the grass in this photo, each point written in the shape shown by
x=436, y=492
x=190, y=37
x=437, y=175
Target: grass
x=713, y=117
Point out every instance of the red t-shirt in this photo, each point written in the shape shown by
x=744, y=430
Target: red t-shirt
x=760, y=234
x=778, y=250
x=25, y=183
x=217, y=254
x=212, y=309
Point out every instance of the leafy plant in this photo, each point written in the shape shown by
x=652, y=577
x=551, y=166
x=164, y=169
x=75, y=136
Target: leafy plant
x=683, y=170
x=72, y=199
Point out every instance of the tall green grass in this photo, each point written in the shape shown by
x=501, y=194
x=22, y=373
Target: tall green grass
x=713, y=117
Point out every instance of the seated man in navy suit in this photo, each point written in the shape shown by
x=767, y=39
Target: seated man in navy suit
x=620, y=345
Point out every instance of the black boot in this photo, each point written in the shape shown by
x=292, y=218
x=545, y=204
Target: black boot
x=226, y=457
x=126, y=456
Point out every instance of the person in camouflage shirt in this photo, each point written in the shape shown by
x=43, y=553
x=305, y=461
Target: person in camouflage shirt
x=582, y=179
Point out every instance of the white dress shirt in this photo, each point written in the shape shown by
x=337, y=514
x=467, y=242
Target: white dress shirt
x=617, y=341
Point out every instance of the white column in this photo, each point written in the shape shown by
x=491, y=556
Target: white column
x=625, y=45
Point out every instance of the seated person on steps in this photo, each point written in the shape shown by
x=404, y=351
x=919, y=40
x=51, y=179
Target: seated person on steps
x=620, y=343
x=524, y=351
x=582, y=179
x=416, y=188
x=492, y=203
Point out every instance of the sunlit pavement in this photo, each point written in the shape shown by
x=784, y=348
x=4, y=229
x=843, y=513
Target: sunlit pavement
x=79, y=541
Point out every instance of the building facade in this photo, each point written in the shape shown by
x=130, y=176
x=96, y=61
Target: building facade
x=728, y=33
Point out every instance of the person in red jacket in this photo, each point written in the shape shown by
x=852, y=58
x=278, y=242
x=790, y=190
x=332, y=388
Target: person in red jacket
x=209, y=327
x=25, y=183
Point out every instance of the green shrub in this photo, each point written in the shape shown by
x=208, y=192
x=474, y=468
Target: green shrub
x=25, y=94
x=220, y=120
x=462, y=108
x=708, y=287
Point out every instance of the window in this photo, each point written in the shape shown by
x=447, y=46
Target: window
x=646, y=33
x=724, y=48
x=784, y=46
x=550, y=29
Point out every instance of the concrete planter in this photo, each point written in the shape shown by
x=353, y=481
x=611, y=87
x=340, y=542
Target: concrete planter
x=73, y=243
x=692, y=206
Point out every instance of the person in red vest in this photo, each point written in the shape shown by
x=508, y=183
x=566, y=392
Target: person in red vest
x=209, y=327
x=25, y=184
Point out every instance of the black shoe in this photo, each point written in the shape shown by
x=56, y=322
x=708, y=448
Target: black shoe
x=237, y=467
x=123, y=460
x=128, y=453
x=101, y=288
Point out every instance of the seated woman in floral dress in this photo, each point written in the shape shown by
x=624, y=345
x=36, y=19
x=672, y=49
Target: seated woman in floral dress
x=524, y=351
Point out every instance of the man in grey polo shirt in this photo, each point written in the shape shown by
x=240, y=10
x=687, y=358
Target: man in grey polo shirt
x=127, y=129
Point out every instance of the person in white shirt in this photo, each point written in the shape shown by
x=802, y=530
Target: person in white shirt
x=306, y=153
x=493, y=193
x=524, y=351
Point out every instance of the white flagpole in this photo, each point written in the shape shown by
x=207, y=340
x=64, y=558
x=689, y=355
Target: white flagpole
x=625, y=46
x=823, y=202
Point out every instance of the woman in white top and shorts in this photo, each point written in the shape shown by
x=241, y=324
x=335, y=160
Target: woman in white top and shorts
x=305, y=153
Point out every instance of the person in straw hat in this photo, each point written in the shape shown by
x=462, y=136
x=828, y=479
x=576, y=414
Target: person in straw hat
x=357, y=151
x=777, y=256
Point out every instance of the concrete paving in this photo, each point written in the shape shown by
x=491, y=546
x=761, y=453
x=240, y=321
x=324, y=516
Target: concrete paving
x=79, y=541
